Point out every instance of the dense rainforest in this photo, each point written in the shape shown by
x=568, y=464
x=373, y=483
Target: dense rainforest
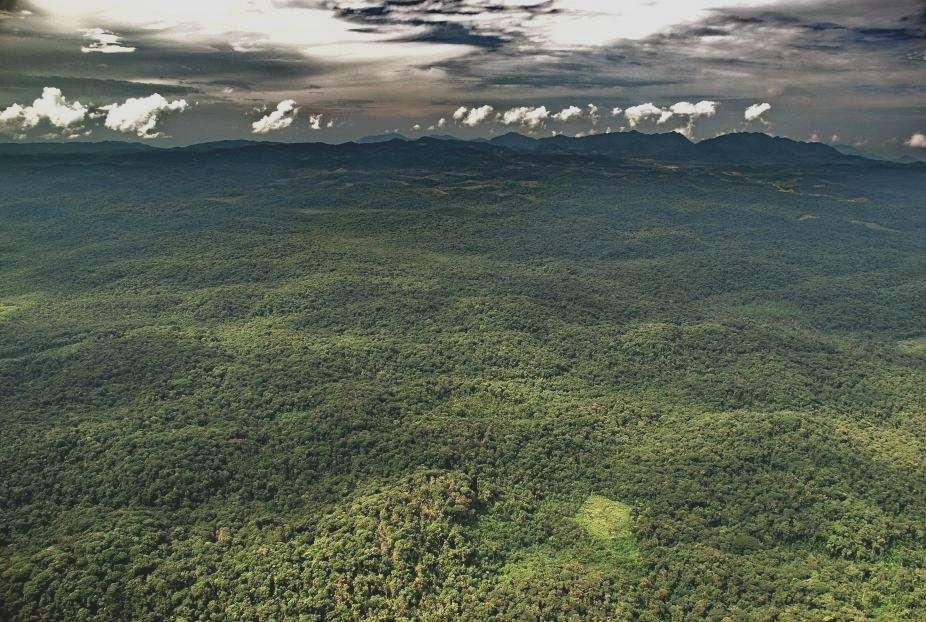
x=435, y=380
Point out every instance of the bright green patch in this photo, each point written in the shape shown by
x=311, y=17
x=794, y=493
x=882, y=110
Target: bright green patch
x=11, y=307
x=913, y=347
x=897, y=448
x=609, y=523
x=605, y=519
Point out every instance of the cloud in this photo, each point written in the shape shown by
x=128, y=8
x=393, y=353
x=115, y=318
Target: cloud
x=531, y=118
x=593, y=113
x=140, y=115
x=703, y=108
x=315, y=120
x=756, y=111
x=490, y=24
x=104, y=42
x=568, y=114
x=281, y=118
x=13, y=115
x=473, y=116
x=692, y=112
x=616, y=111
x=643, y=112
x=52, y=107
x=246, y=45
x=136, y=115
x=247, y=26
x=442, y=123
x=917, y=141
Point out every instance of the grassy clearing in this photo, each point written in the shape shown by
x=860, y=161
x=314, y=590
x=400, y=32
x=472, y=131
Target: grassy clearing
x=605, y=519
x=913, y=347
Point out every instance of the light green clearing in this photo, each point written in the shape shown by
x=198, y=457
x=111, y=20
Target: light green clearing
x=605, y=519
x=913, y=347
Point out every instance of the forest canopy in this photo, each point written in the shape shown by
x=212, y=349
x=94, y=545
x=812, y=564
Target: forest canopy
x=267, y=383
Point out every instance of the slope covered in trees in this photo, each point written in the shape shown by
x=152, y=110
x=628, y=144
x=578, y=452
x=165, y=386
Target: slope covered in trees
x=437, y=381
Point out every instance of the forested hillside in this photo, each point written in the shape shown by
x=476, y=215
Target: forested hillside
x=423, y=380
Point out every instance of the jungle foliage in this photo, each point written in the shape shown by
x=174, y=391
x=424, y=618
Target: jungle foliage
x=431, y=382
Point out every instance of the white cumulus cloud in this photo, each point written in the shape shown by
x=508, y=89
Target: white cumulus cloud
x=617, y=111
x=14, y=114
x=52, y=107
x=281, y=118
x=568, y=114
x=104, y=42
x=756, y=111
x=140, y=115
x=692, y=112
x=917, y=141
x=531, y=118
x=473, y=116
x=643, y=112
x=593, y=113
x=703, y=108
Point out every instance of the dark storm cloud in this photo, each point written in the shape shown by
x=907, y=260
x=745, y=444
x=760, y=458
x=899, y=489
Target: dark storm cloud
x=806, y=31
x=882, y=35
x=793, y=43
x=561, y=69
x=451, y=32
x=439, y=20
x=402, y=11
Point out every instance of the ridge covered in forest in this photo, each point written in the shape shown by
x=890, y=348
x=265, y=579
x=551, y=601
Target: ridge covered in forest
x=747, y=148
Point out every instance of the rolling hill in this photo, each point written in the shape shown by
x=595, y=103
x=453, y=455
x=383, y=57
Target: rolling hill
x=618, y=377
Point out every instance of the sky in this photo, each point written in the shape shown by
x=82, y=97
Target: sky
x=851, y=72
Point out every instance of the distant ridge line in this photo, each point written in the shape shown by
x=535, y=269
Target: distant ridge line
x=747, y=148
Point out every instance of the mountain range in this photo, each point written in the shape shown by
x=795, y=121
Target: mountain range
x=746, y=148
